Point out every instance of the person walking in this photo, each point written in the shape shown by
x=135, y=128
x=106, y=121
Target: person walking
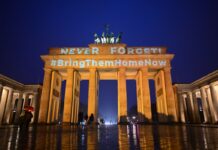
x=28, y=117
x=22, y=119
x=91, y=119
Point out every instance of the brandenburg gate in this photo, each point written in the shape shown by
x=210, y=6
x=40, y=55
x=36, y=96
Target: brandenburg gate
x=109, y=61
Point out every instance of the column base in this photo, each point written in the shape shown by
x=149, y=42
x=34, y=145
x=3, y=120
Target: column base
x=123, y=123
x=142, y=119
x=123, y=120
x=166, y=119
x=216, y=122
x=146, y=123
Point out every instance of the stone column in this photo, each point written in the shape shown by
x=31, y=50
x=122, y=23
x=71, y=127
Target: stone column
x=1, y=113
x=171, y=106
x=8, y=107
x=76, y=101
x=3, y=104
x=161, y=107
x=53, y=111
x=205, y=105
x=182, y=109
x=214, y=96
x=185, y=108
x=122, y=97
x=176, y=96
x=139, y=97
x=211, y=106
x=73, y=116
x=1, y=89
x=146, y=95
x=68, y=101
x=161, y=96
x=76, y=111
x=58, y=110
x=43, y=109
x=93, y=98
x=33, y=104
x=158, y=106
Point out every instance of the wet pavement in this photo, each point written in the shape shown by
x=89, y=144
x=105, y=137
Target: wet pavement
x=112, y=137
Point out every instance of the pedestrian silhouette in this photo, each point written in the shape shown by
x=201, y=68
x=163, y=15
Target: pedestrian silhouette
x=28, y=116
x=86, y=119
x=91, y=119
x=22, y=119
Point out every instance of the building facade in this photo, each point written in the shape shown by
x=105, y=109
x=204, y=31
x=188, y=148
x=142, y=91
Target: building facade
x=107, y=62
x=198, y=101
x=14, y=96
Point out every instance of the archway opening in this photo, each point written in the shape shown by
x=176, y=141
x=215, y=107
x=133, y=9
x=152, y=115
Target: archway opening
x=153, y=101
x=83, y=98
x=14, y=111
x=131, y=100
x=188, y=110
x=61, y=108
x=200, y=109
x=108, y=102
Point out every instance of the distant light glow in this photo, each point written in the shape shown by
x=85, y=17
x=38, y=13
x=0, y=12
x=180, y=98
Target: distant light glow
x=109, y=123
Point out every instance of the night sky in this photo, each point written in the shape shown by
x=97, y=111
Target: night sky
x=188, y=28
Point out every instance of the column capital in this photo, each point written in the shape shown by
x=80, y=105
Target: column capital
x=203, y=87
x=47, y=70
x=194, y=93
x=27, y=93
x=12, y=90
x=92, y=69
x=189, y=95
x=21, y=95
x=184, y=94
x=189, y=92
x=122, y=69
x=35, y=93
x=195, y=90
x=167, y=69
x=144, y=69
x=69, y=71
x=213, y=83
x=21, y=92
x=180, y=94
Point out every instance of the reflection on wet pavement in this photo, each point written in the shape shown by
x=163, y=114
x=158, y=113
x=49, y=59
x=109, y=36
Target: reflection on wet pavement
x=122, y=137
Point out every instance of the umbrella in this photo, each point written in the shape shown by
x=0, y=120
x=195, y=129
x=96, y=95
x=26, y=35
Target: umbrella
x=28, y=108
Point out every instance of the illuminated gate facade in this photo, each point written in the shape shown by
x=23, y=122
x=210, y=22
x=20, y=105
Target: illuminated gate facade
x=107, y=62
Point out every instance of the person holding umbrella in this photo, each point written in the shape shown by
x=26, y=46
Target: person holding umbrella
x=28, y=116
x=25, y=117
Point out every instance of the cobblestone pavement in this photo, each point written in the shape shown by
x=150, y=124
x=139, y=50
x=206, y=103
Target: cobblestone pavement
x=111, y=137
